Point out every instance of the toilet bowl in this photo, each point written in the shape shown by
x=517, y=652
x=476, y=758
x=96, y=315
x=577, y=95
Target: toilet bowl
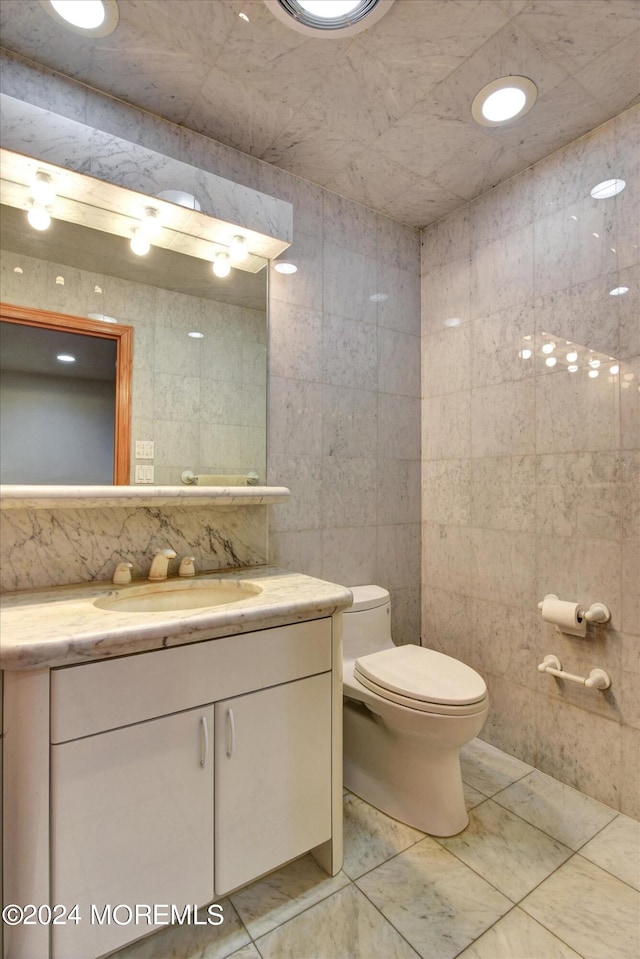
x=408, y=710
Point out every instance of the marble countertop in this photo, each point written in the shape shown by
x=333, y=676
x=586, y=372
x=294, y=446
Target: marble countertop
x=62, y=626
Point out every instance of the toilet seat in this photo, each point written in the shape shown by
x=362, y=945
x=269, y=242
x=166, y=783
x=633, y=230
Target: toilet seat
x=422, y=679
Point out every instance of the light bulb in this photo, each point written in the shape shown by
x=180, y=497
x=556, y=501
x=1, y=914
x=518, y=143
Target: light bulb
x=573, y=368
x=551, y=361
x=238, y=249
x=140, y=243
x=39, y=218
x=593, y=374
x=614, y=369
x=504, y=104
x=221, y=265
x=548, y=347
x=572, y=356
x=594, y=364
x=525, y=354
x=42, y=189
x=150, y=223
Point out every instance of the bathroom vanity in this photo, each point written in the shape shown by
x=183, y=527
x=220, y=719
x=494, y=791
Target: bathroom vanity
x=165, y=757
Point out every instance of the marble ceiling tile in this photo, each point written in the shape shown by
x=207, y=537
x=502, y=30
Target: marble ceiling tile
x=231, y=111
x=425, y=38
x=309, y=149
x=575, y=32
x=613, y=79
x=275, y=61
x=429, y=136
x=200, y=28
x=555, y=120
x=26, y=29
x=372, y=180
x=481, y=165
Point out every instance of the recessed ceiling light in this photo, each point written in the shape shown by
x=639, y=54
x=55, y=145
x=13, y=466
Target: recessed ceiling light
x=285, y=267
x=102, y=317
x=65, y=358
x=619, y=291
x=327, y=18
x=94, y=18
x=181, y=197
x=503, y=101
x=607, y=188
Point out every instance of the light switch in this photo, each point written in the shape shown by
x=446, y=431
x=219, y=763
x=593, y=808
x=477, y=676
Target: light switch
x=144, y=449
x=144, y=474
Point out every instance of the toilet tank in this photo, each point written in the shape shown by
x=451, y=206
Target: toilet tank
x=366, y=625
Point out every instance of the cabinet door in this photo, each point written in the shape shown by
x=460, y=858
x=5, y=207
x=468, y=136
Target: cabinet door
x=132, y=823
x=273, y=778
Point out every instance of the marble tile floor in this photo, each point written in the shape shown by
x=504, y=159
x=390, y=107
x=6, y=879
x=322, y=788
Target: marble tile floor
x=541, y=872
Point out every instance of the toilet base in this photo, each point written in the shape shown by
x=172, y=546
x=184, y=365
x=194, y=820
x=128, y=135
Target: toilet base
x=413, y=778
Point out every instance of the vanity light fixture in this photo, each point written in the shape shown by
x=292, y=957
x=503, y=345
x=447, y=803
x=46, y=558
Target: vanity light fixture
x=285, y=267
x=93, y=18
x=607, y=188
x=238, y=248
x=39, y=217
x=503, y=101
x=221, y=265
x=329, y=18
x=140, y=244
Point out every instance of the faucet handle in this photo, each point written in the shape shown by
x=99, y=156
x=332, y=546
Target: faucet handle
x=122, y=573
x=186, y=566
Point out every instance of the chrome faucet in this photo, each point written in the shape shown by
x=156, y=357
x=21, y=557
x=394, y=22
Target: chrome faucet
x=160, y=564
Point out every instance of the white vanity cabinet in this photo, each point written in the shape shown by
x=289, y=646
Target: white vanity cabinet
x=131, y=823
x=175, y=776
x=273, y=778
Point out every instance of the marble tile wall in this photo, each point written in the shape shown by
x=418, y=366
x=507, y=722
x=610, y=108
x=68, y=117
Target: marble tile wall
x=530, y=473
x=200, y=401
x=343, y=420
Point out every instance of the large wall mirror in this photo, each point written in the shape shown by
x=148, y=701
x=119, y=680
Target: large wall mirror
x=197, y=401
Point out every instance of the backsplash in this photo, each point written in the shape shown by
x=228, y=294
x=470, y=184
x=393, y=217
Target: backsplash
x=55, y=547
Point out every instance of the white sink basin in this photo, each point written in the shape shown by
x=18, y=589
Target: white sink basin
x=167, y=597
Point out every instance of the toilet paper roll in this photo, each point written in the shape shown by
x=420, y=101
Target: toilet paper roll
x=566, y=617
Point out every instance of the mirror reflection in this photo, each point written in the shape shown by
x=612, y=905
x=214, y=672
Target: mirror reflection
x=199, y=350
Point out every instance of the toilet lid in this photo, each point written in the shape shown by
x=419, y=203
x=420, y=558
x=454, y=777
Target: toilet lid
x=421, y=674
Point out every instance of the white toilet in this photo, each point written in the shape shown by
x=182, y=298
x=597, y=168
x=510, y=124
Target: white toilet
x=408, y=711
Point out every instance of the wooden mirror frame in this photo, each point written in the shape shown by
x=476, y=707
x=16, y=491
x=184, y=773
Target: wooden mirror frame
x=123, y=336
